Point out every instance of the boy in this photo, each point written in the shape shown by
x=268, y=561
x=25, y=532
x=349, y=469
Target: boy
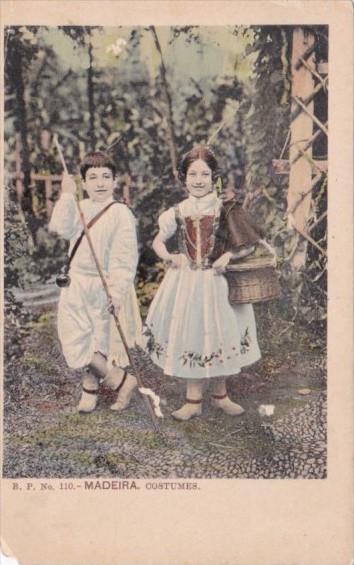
x=87, y=332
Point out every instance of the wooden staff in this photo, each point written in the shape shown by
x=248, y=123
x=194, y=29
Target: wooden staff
x=109, y=297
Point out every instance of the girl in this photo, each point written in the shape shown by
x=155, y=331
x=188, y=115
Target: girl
x=193, y=332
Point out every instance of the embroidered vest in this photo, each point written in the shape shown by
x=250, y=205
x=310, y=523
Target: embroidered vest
x=204, y=239
x=196, y=237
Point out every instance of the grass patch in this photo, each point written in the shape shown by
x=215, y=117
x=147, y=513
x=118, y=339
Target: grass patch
x=38, y=363
x=44, y=320
x=93, y=428
x=81, y=457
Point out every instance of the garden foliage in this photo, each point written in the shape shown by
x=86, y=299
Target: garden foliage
x=103, y=88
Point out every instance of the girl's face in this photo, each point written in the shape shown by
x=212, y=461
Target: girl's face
x=199, y=179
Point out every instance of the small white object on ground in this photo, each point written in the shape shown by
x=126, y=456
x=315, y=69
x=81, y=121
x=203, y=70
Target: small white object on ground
x=304, y=391
x=266, y=409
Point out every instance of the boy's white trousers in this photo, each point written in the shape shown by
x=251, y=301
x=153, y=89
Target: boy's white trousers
x=85, y=326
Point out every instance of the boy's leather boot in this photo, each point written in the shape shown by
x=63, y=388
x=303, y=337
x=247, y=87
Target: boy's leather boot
x=193, y=404
x=88, y=400
x=125, y=392
x=114, y=378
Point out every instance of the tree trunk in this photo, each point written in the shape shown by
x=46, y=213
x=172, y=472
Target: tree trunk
x=21, y=126
x=16, y=76
x=18, y=165
x=91, y=100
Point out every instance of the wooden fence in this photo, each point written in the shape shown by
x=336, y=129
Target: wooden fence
x=47, y=185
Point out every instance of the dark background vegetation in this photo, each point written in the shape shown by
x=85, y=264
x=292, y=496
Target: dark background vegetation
x=148, y=100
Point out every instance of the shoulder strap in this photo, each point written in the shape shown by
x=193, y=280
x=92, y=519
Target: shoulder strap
x=89, y=225
x=177, y=214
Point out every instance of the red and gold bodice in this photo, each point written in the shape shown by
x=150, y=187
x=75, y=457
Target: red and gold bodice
x=196, y=237
x=204, y=238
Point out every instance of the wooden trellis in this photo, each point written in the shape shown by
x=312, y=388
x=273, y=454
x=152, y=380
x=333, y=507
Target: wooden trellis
x=304, y=171
x=49, y=181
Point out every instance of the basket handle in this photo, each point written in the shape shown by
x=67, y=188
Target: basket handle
x=270, y=249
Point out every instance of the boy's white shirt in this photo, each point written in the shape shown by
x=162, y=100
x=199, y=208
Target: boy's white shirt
x=113, y=237
x=115, y=244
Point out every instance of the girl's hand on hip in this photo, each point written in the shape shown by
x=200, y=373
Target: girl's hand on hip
x=220, y=264
x=68, y=185
x=178, y=261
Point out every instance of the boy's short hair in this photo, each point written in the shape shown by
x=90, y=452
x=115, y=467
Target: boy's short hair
x=96, y=159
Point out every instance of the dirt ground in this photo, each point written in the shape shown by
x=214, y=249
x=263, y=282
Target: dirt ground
x=45, y=436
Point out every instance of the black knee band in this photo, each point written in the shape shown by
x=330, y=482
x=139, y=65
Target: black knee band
x=93, y=368
x=120, y=386
x=96, y=373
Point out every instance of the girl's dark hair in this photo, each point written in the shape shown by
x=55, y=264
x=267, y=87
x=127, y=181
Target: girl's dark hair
x=96, y=159
x=198, y=152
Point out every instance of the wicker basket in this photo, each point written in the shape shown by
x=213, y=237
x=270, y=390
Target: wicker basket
x=255, y=279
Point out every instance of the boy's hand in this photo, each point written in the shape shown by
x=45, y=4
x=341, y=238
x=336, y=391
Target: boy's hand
x=113, y=308
x=220, y=264
x=68, y=185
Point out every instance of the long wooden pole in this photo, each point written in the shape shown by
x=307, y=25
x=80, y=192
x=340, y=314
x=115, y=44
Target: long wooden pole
x=109, y=297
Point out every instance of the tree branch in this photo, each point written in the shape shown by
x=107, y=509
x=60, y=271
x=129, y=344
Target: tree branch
x=285, y=144
x=318, y=221
x=61, y=81
x=307, y=236
x=170, y=126
x=90, y=96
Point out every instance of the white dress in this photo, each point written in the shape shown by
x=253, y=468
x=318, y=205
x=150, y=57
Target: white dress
x=84, y=323
x=192, y=331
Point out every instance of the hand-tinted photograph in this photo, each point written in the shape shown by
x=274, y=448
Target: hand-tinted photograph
x=165, y=263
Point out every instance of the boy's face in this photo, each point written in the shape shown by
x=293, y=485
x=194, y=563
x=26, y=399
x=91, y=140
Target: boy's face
x=99, y=183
